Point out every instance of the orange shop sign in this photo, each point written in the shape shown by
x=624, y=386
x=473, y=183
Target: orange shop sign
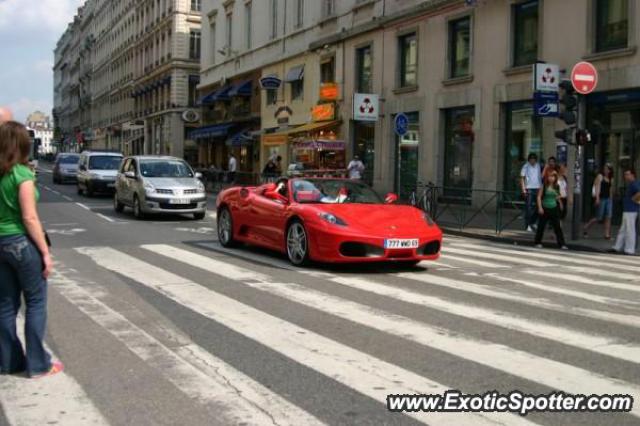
x=323, y=112
x=329, y=92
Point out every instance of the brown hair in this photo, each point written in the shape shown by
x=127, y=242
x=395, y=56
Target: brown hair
x=554, y=174
x=15, y=146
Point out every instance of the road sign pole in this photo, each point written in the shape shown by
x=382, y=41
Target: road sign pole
x=578, y=174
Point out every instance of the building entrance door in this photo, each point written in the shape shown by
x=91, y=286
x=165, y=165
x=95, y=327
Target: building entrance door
x=408, y=158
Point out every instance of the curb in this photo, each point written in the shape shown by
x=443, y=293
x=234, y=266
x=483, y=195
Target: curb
x=517, y=241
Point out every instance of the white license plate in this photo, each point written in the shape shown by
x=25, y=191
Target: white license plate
x=179, y=201
x=401, y=243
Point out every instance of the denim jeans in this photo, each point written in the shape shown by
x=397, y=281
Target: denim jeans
x=531, y=208
x=21, y=275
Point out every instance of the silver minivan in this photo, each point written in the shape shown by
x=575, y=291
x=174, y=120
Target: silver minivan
x=97, y=171
x=159, y=184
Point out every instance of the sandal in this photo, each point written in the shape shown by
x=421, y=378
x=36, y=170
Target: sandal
x=56, y=367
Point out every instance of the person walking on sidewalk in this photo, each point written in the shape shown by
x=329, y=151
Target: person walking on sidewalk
x=530, y=183
x=603, y=201
x=25, y=262
x=549, y=203
x=630, y=206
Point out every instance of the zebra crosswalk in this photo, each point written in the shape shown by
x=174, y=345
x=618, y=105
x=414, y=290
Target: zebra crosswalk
x=326, y=346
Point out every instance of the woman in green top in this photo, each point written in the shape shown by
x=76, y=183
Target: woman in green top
x=25, y=262
x=550, y=208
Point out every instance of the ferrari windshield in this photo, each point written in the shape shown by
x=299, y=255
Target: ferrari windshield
x=333, y=191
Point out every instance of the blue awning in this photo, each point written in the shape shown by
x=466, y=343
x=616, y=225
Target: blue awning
x=217, y=95
x=243, y=138
x=295, y=74
x=241, y=89
x=217, y=131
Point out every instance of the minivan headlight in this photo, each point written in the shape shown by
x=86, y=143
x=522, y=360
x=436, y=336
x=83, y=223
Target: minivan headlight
x=149, y=188
x=200, y=186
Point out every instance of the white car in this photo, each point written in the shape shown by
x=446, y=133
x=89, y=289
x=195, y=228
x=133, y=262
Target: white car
x=97, y=172
x=159, y=184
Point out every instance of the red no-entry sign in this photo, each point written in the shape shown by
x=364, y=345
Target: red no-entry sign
x=584, y=78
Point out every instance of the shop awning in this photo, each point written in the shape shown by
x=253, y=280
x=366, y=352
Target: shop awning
x=241, y=89
x=217, y=95
x=306, y=128
x=243, y=138
x=295, y=74
x=217, y=131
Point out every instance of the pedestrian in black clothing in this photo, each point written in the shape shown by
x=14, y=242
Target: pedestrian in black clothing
x=549, y=209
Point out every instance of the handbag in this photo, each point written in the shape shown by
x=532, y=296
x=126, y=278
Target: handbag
x=47, y=239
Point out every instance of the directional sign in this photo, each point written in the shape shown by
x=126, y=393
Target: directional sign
x=584, y=78
x=547, y=77
x=401, y=124
x=545, y=104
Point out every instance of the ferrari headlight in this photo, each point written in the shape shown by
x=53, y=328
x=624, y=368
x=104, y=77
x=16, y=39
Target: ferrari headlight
x=332, y=219
x=149, y=188
x=428, y=219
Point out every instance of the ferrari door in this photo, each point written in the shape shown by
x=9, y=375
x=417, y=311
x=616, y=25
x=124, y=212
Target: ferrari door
x=266, y=216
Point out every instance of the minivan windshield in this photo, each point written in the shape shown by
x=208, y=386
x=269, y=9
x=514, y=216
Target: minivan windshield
x=69, y=159
x=165, y=169
x=104, y=162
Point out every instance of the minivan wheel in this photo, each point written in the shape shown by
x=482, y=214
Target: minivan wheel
x=117, y=205
x=297, y=244
x=137, y=208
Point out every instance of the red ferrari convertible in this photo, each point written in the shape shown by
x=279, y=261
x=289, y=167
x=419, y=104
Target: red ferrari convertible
x=326, y=220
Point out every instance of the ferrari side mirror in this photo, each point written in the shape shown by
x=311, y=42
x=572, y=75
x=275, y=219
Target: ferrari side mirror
x=390, y=198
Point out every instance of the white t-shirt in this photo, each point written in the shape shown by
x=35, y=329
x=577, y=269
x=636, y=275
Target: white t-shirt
x=562, y=183
x=355, y=169
x=532, y=176
x=232, y=164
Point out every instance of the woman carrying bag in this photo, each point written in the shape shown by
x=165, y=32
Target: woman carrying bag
x=25, y=262
x=550, y=210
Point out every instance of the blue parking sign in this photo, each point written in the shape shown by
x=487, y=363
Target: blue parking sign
x=401, y=124
x=545, y=104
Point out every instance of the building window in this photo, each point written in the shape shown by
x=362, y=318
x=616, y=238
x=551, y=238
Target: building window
x=272, y=96
x=524, y=136
x=194, y=44
x=193, y=93
x=612, y=24
x=458, y=153
x=525, y=33
x=196, y=5
x=247, y=23
x=274, y=18
x=364, y=70
x=408, y=46
x=459, y=47
x=299, y=13
x=212, y=38
x=328, y=8
x=297, y=90
x=328, y=70
x=229, y=31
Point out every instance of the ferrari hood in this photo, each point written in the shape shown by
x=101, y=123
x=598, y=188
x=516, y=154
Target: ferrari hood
x=379, y=218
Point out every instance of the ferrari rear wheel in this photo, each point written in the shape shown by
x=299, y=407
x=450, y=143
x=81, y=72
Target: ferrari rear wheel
x=297, y=244
x=225, y=228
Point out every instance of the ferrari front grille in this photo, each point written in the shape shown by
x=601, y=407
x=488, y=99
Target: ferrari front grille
x=354, y=249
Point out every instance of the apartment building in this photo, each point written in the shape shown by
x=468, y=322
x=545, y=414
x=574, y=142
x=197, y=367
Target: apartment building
x=144, y=60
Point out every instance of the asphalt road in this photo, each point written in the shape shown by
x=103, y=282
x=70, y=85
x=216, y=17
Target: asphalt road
x=158, y=325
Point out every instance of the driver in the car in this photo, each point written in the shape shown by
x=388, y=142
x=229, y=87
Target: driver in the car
x=279, y=193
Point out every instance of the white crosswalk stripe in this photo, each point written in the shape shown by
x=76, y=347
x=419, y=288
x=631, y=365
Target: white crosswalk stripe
x=514, y=276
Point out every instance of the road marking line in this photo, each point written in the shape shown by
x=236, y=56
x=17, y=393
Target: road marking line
x=629, y=320
x=58, y=399
x=66, y=197
x=475, y=262
x=600, y=344
x=107, y=218
x=582, y=280
x=366, y=374
x=56, y=192
x=83, y=206
x=491, y=256
x=557, y=375
x=193, y=370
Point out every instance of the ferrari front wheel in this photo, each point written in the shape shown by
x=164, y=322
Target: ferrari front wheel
x=297, y=244
x=225, y=228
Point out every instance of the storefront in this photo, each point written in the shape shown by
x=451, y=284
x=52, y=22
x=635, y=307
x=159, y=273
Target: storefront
x=408, y=157
x=613, y=119
x=458, y=152
x=523, y=136
x=364, y=147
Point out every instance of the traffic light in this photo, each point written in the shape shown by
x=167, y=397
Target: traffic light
x=565, y=135
x=583, y=137
x=570, y=102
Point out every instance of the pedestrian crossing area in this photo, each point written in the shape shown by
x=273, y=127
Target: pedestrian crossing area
x=245, y=338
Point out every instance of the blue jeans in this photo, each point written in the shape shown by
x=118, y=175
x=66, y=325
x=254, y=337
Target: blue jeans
x=21, y=275
x=531, y=208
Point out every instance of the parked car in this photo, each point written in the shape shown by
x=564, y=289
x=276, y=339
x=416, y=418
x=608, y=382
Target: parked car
x=159, y=184
x=327, y=220
x=97, y=172
x=65, y=167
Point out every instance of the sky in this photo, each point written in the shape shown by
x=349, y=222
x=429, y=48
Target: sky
x=29, y=30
